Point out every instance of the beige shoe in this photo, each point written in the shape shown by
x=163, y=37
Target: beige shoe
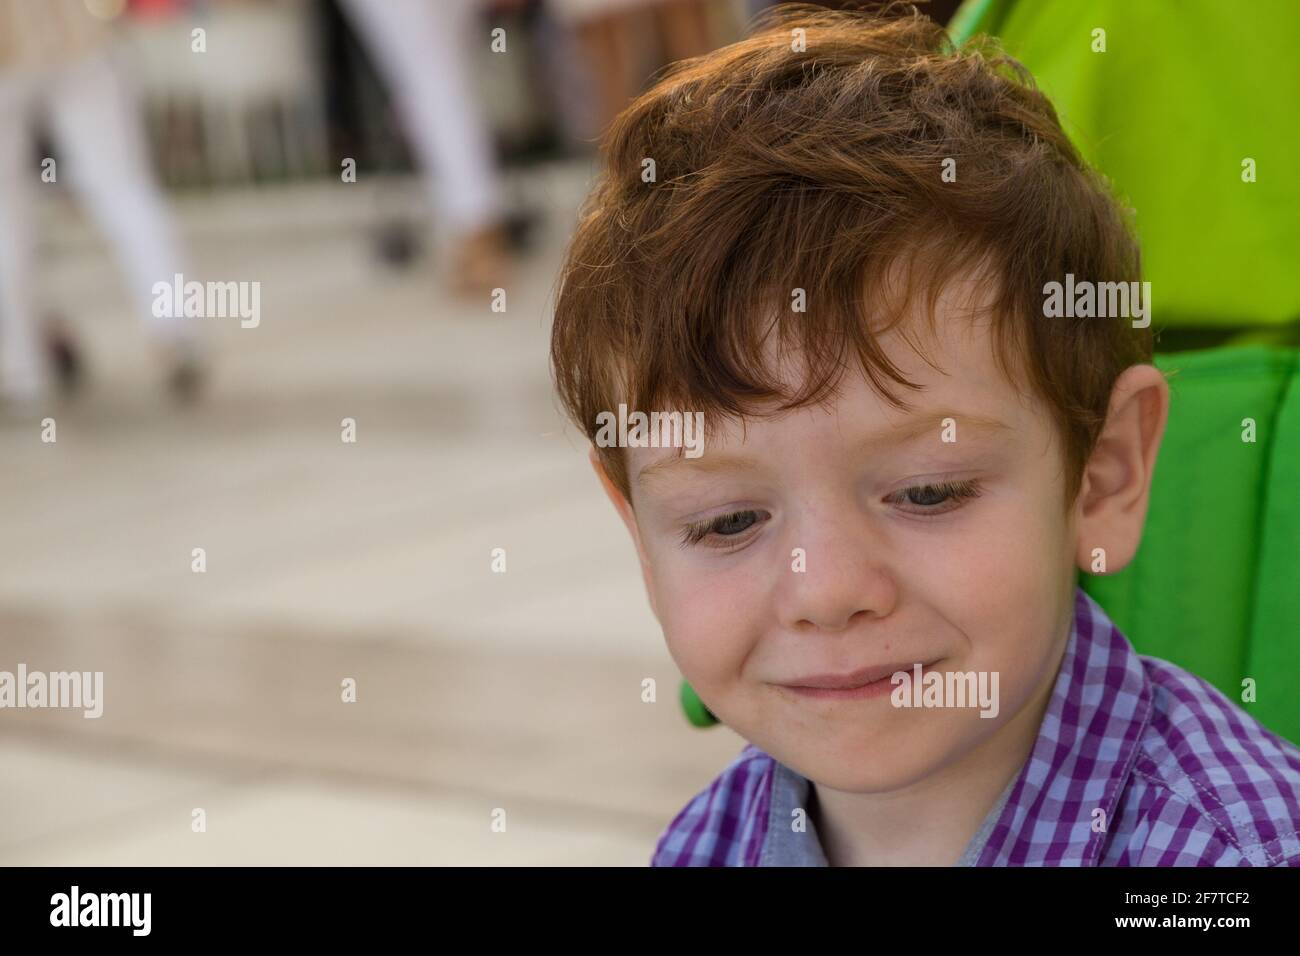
x=480, y=262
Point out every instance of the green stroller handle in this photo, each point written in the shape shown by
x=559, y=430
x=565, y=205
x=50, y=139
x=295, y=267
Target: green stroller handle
x=696, y=712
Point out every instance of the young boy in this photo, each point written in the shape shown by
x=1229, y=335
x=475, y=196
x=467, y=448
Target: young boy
x=836, y=239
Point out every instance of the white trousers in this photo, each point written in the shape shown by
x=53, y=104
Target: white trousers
x=102, y=153
x=421, y=49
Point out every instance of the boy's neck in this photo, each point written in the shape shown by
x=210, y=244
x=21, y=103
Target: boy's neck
x=932, y=821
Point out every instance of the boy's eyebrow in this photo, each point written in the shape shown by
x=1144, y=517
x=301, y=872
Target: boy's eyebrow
x=701, y=465
x=916, y=428
x=897, y=435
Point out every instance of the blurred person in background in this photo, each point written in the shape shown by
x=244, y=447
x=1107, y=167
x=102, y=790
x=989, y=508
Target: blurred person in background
x=607, y=32
x=56, y=66
x=613, y=36
x=422, y=48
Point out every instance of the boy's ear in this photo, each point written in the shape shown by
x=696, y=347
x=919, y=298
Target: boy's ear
x=624, y=509
x=1112, y=505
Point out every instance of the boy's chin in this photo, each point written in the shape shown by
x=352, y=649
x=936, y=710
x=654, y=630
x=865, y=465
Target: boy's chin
x=900, y=780
x=862, y=766
x=877, y=777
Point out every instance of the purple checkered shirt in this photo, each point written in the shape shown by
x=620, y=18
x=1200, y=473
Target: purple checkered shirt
x=1185, y=777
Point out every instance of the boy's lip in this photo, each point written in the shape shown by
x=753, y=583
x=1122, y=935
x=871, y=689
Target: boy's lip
x=858, y=678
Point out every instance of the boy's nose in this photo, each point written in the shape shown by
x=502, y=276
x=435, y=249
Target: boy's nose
x=845, y=579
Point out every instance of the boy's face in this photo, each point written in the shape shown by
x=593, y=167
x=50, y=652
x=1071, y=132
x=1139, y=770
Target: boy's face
x=955, y=554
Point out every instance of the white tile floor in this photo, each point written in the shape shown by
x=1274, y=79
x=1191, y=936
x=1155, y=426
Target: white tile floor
x=327, y=560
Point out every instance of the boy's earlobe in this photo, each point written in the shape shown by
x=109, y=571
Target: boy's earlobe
x=1116, y=488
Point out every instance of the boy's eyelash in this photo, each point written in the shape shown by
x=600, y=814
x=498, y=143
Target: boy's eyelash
x=947, y=490
x=697, y=532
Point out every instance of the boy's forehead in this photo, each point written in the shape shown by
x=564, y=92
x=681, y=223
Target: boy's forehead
x=949, y=326
x=951, y=359
x=969, y=393
x=949, y=353
x=752, y=449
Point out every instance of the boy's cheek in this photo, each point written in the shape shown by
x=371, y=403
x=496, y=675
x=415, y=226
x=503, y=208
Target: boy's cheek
x=1016, y=543
x=711, y=622
x=1010, y=602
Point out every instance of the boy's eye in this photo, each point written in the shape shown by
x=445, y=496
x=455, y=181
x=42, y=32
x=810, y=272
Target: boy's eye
x=932, y=498
x=927, y=499
x=724, y=526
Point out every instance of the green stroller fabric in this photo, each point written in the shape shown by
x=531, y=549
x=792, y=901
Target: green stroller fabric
x=1215, y=586
x=1184, y=93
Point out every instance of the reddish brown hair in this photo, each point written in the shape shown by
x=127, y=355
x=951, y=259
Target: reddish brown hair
x=820, y=170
